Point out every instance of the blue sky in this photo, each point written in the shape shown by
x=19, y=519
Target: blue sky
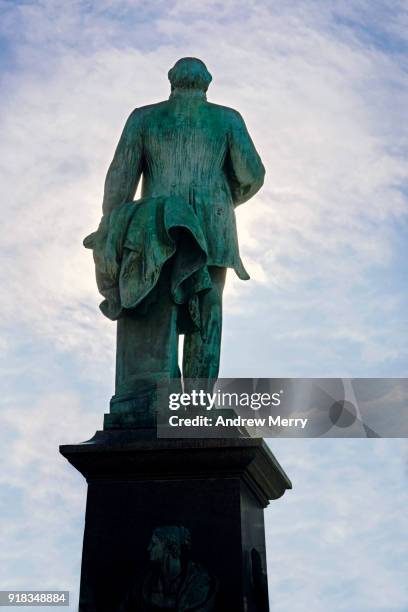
x=323, y=88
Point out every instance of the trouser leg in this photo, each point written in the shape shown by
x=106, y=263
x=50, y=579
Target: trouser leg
x=201, y=354
x=147, y=345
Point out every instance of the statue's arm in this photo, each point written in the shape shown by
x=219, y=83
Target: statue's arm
x=244, y=168
x=125, y=169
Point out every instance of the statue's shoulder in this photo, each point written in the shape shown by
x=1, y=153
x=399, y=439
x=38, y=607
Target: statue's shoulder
x=226, y=113
x=141, y=113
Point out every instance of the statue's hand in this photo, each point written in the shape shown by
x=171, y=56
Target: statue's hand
x=90, y=241
x=97, y=238
x=105, y=260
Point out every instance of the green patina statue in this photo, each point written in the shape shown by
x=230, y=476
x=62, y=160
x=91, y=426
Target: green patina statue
x=161, y=260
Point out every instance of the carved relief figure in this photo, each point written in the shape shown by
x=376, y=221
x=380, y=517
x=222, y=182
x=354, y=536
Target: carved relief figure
x=172, y=582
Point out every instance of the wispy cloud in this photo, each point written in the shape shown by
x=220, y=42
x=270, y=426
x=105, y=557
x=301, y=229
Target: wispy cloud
x=334, y=541
x=323, y=88
x=325, y=106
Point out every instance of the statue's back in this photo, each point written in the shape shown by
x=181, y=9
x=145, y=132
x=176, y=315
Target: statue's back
x=185, y=145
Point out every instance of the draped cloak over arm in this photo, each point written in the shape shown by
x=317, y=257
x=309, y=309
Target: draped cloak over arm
x=135, y=239
x=244, y=167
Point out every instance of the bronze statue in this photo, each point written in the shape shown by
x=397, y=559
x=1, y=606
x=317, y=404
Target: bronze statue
x=161, y=261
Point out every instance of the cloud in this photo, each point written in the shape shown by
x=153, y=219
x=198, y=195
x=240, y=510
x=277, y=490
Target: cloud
x=323, y=89
x=334, y=541
x=43, y=499
x=324, y=108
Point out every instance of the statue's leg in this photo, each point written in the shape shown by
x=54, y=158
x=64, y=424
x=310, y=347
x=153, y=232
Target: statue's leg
x=147, y=344
x=201, y=354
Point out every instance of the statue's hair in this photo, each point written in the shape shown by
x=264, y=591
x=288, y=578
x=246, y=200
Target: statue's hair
x=176, y=539
x=189, y=73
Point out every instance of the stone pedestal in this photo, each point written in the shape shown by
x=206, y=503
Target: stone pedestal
x=216, y=489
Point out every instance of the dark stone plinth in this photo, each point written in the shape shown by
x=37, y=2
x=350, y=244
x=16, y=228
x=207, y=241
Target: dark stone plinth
x=217, y=489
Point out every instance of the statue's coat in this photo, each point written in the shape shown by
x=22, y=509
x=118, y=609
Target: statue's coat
x=194, y=156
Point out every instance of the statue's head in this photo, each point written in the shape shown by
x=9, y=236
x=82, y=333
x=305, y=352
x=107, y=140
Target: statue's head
x=189, y=73
x=170, y=541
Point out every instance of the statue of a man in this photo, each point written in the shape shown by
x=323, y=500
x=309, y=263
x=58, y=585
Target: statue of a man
x=161, y=261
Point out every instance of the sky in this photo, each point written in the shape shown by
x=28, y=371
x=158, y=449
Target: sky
x=323, y=88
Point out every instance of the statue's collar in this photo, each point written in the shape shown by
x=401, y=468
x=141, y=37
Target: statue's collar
x=187, y=94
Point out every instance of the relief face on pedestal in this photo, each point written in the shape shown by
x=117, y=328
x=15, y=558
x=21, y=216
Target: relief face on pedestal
x=172, y=581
